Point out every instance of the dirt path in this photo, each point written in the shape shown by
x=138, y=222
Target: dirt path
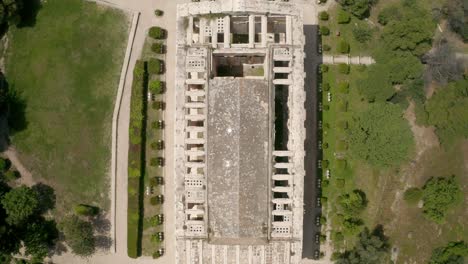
x=26, y=175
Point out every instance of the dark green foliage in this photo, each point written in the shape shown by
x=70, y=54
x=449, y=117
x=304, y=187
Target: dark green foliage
x=381, y=136
x=439, y=195
x=377, y=87
x=403, y=68
x=343, y=17
x=326, y=47
x=352, y=226
x=156, y=87
x=390, y=13
x=324, y=30
x=46, y=197
x=338, y=236
x=343, y=47
x=325, y=164
x=453, y=253
x=10, y=11
x=456, y=11
x=4, y=164
x=158, y=12
x=413, y=195
x=79, y=235
x=86, y=210
x=324, y=68
x=20, y=204
x=359, y=8
x=326, y=87
x=323, y=15
x=371, y=248
x=155, y=66
x=157, y=47
x=343, y=68
x=412, y=33
x=447, y=110
x=11, y=175
x=157, y=33
x=39, y=237
x=353, y=203
x=362, y=33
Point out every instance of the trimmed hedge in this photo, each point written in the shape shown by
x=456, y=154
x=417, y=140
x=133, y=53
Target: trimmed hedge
x=155, y=66
x=343, y=17
x=157, y=33
x=343, y=68
x=86, y=210
x=324, y=15
x=324, y=31
x=157, y=48
x=136, y=158
x=343, y=47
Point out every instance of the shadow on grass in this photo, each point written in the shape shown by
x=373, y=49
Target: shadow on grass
x=28, y=13
x=12, y=112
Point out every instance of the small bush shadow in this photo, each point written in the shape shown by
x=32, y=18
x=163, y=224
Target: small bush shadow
x=28, y=13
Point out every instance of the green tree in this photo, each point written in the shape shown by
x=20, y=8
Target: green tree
x=324, y=30
x=380, y=135
x=323, y=15
x=79, y=235
x=353, y=203
x=359, y=8
x=157, y=48
x=40, y=235
x=447, y=110
x=362, y=33
x=453, y=253
x=371, y=248
x=412, y=33
x=155, y=66
x=439, y=195
x=389, y=13
x=456, y=11
x=156, y=86
x=343, y=17
x=20, y=204
x=352, y=226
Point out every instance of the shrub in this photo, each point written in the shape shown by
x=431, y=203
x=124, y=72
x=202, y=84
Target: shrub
x=155, y=66
x=157, y=48
x=362, y=34
x=154, y=162
x=323, y=220
x=323, y=15
x=158, y=105
x=326, y=107
x=323, y=68
x=325, y=145
x=326, y=87
x=157, y=33
x=158, y=12
x=4, y=164
x=343, y=68
x=86, y=210
x=156, y=86
x=325, y=31
x=413, y=195
x=343, y=17
x=324, y=200
x=11, y=175
x=343, y=87
x=326, y=47
x=325, y=183
x=343, y=47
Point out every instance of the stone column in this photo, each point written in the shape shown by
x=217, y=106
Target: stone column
x=288, y=30
x=202, y=29
x=227, y=31
x=251, y=31
x=264, y=30
x=214, y=33
x=190, y=31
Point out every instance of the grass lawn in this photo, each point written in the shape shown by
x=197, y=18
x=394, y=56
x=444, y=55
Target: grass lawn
x=67, y=70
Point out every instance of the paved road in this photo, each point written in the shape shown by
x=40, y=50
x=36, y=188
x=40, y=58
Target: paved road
x=310, y=189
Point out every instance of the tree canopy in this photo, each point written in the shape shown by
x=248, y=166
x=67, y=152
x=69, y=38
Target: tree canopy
x=79, y=235
x=20, y=203
x=371, y=248
x=359, y=8
x=380, y=135
x=453, y=253
x=447, y=110
x=353, y=203
x=439, y=195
